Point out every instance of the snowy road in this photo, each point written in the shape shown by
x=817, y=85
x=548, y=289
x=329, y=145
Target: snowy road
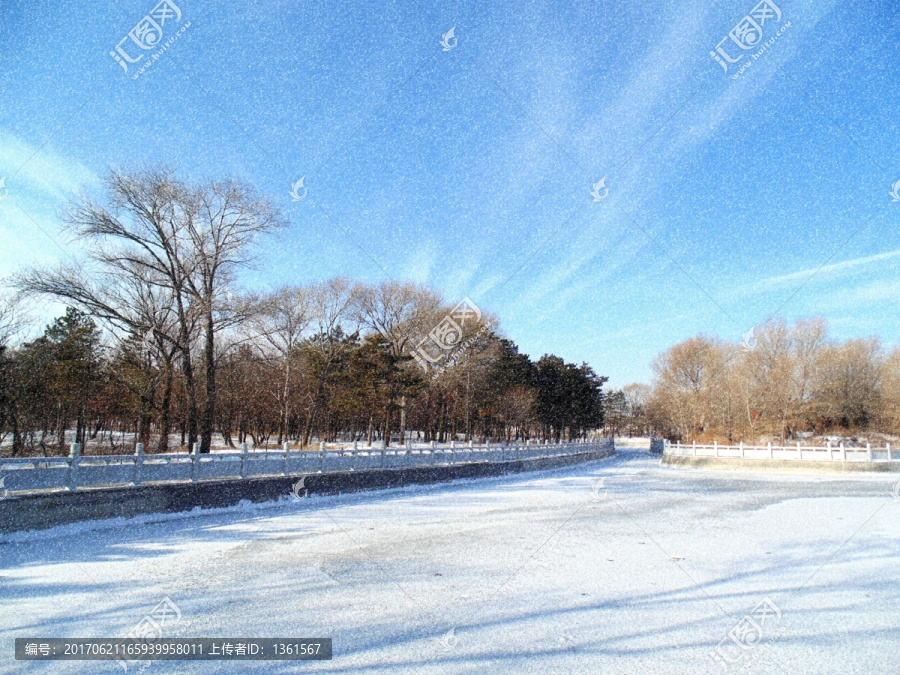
x=644, y=571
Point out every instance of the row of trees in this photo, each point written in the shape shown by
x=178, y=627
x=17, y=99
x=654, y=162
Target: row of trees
x=789, y=379
x=159, y=340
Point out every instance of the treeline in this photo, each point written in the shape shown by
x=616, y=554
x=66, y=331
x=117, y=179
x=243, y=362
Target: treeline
x=159, y=342
x=782, y=381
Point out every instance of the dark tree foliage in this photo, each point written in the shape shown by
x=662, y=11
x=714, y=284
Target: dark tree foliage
x=344, y=387
x=569, y=396
x=53, y=382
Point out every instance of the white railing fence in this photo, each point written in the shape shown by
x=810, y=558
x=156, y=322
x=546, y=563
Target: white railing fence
x=826, y=453
x=29, y=474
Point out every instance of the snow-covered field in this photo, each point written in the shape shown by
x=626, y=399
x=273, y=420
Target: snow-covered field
x=614, y=566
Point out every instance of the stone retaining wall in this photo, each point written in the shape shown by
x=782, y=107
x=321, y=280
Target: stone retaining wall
x=789, y=465
x=36, y=512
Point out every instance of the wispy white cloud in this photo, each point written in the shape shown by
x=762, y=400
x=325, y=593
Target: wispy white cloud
x=824, y=271
x=41, y=171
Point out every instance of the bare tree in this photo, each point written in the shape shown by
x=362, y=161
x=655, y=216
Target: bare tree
x=225, y=219
x=889, y=410
x=144, y=227
x=848, y=382
x=403, y=313
x=332, y=324
x=278, y=328
x=636, y=398
x=686, y=378
x=14, y=318
x=792, y=380
x=188, y=238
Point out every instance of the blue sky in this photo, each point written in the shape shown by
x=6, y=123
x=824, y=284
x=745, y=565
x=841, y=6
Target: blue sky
x=470, y=169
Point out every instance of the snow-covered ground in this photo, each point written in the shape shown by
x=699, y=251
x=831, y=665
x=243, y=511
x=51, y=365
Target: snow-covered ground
x=617, y=566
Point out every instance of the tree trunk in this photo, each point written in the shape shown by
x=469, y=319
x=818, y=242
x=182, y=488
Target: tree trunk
x=61, y=432
x=285, y=395
x=143, y=430
x=165, y=422
x=209, y=413
x=317, y=401
x=402, y=420
x=189, y=385
x=17, y=436
x=79, y=428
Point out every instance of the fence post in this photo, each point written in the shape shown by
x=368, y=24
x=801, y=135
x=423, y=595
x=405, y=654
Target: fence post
x=322, y=457
x=243, y=459
x=74, y=456
x=869, y=451
x=843, y=452
x=888, y=448
x=828, y=448
x=716, y=447
x=694, y=448
x=799, y=451
x=286, y=449
x=771, y=452
x=195, y=464
x=383, y=457
x=138, y=462
x=742, y=449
